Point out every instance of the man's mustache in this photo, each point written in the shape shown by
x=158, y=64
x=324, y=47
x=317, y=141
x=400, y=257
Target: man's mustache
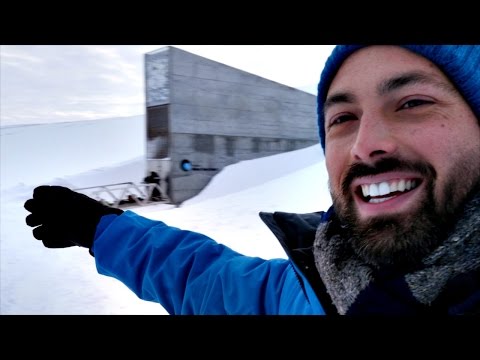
x=385, y=165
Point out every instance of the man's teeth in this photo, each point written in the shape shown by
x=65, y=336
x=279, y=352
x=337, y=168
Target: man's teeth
x=385, y=188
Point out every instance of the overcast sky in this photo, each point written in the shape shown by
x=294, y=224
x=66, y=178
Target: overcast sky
x=56, y=83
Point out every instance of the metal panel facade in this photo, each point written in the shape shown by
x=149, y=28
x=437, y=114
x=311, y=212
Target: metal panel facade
x=216, y=115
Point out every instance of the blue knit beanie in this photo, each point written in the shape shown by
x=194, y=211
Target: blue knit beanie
x=460, y=63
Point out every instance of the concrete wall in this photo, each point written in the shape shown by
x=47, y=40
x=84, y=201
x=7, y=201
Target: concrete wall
x=219, y=115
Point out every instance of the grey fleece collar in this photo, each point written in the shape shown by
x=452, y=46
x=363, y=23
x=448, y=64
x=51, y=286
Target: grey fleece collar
x=345, y=275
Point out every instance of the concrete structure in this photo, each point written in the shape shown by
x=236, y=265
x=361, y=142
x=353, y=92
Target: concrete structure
x=203, y=115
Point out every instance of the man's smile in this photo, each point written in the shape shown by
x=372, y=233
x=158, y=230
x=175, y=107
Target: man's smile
x=385, y=193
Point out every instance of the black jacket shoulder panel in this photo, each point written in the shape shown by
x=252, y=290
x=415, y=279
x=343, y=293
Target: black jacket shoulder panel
x=293, y=230
x=296, y=234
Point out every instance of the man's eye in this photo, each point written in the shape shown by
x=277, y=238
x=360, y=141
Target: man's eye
x=414, y=103
x=341, y=119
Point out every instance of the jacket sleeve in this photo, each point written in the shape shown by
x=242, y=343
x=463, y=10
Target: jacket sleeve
x=186, y=272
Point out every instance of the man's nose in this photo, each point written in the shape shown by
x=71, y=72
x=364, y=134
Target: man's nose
x=374, y=138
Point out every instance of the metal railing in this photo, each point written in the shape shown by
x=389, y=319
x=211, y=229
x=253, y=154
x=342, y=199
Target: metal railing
x=127, y=193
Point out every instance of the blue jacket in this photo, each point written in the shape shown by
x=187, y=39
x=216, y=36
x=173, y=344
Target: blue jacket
x=188, y=273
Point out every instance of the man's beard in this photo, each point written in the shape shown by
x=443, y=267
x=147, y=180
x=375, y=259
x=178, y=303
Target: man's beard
x=403, y=240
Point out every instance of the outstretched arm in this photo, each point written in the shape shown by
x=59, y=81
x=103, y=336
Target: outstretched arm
x=186, y=272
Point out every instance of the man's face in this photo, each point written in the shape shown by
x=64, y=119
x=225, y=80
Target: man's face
x=402, y=153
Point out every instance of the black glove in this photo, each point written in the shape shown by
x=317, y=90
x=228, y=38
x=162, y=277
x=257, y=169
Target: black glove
x=64, y=218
